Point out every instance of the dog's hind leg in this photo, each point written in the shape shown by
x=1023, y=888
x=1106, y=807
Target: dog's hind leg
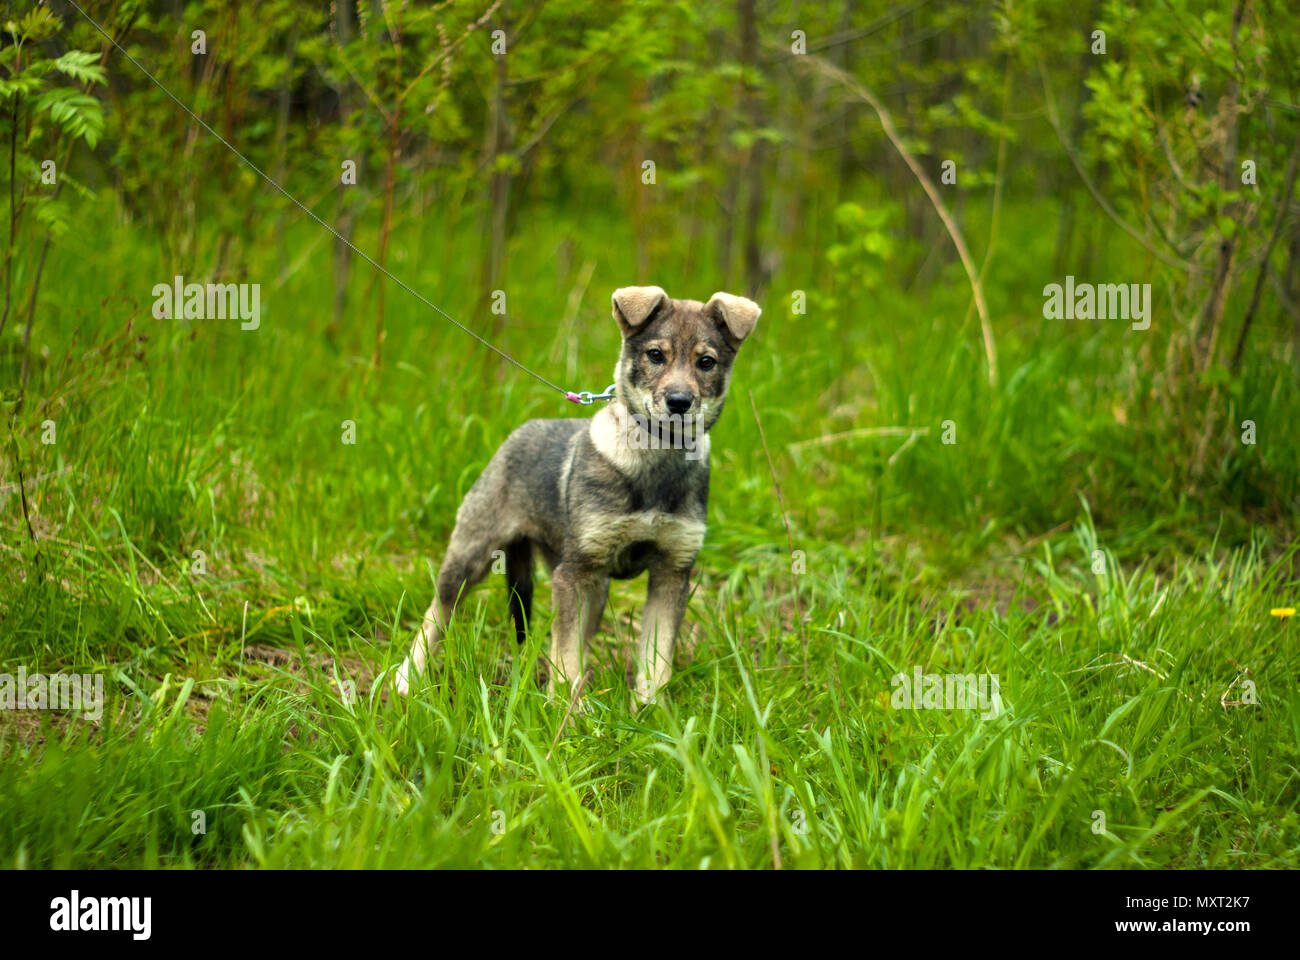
x=469, y=557
x=519, y=583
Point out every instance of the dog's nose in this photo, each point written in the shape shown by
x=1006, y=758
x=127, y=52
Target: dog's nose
x=679, y=402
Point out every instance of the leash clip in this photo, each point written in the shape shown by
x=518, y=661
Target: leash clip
x=586, y=397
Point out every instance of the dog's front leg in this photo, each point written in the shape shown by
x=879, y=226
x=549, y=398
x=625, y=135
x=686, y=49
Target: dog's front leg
x=413, y=666
x=665, y=605
x=578, y=593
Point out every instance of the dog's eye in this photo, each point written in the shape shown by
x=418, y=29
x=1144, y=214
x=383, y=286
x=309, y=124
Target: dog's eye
x=656, y=356
x=706, y=363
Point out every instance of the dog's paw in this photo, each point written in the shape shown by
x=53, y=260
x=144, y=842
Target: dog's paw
x=401, y=680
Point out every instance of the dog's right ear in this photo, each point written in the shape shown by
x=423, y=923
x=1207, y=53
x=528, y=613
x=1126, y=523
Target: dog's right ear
x=634, y=306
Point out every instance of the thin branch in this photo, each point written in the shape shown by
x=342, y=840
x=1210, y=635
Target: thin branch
x=574, y=696
x=13, y=217
x=1283, y=210
x=785, y=519
x=887, y=124
x=862, y=432
x=450, y=48
x=999, y=178
x=1096, y=194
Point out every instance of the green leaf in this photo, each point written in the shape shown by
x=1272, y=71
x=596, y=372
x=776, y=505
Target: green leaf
x=78, y=114
x=81, y=65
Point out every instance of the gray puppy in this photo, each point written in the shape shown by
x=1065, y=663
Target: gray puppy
x=610, y=497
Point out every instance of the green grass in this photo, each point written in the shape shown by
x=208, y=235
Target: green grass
x=1119, y=688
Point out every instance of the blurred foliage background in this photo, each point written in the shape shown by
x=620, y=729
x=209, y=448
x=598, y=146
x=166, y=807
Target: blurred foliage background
x=556, y=149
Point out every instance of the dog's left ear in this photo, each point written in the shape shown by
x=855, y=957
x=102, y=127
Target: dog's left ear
x=633, y=306
x=736, y=315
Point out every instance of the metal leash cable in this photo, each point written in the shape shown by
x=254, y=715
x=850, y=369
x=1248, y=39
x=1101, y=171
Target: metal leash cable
x=585, y=397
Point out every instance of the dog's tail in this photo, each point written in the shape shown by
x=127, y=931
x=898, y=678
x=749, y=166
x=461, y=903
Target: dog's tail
x=519, y=583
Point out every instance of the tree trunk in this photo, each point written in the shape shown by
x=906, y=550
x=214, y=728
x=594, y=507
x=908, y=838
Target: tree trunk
x=498, y=146
x=755, y=280
x=344, y=30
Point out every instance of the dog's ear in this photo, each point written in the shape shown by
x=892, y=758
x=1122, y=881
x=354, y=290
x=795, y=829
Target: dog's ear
x=633, y=306
x=736, y=315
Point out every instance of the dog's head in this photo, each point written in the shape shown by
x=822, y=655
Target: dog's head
x=677, y=354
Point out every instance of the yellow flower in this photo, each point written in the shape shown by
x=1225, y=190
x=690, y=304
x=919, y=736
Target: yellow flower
x=1282, y=612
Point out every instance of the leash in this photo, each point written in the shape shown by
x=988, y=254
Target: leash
x=585, y=397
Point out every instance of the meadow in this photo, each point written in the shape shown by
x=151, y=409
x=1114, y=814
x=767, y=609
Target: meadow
x=250, y=691
x=238, y=530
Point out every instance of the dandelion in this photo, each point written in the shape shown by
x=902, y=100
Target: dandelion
x=1282, y=612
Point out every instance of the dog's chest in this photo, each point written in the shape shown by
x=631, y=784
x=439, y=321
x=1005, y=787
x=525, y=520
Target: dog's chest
x=626, y=544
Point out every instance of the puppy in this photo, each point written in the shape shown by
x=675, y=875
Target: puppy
x=610, y=497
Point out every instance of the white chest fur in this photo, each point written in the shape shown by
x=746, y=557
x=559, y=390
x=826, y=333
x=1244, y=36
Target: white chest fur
x=613, y=432
x=677, y=537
